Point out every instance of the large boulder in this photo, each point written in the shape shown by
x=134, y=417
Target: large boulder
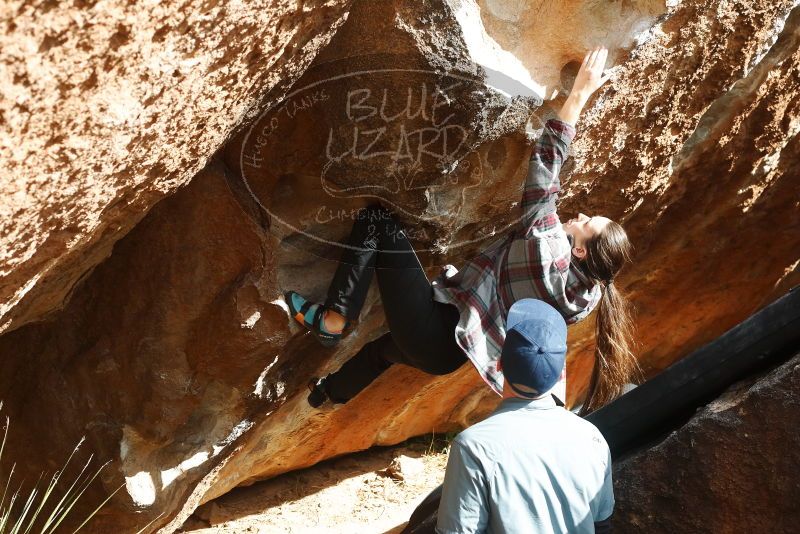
x=176, y=357
x=109, y=107
x=732, y=467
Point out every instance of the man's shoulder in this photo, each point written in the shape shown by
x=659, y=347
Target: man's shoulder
x=477, y=434
x=582, y=427
x=500, y=427
x=481, y=438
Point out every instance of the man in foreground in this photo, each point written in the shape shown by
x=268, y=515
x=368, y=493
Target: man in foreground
x=531, y=466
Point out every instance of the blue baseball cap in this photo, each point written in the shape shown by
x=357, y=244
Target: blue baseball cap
x=535, y=348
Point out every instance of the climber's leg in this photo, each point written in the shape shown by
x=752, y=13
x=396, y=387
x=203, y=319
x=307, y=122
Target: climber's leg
x=350, y=283
x=432, y=349
x=360, y=370
x=422, y=330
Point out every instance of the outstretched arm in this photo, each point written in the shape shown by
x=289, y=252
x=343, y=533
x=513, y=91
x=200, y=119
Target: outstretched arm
x=590, y=77
x=542, y=184
x=550, y=150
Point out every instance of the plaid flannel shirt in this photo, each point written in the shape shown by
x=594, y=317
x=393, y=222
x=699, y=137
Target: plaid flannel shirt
x=533, y=261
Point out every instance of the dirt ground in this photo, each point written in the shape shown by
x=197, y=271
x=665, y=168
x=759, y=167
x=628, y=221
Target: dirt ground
x=360, y=493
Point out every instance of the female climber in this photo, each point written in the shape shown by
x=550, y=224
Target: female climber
x=437, y=327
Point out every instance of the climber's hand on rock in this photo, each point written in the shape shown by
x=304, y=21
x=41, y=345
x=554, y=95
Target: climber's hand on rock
x=590, y=76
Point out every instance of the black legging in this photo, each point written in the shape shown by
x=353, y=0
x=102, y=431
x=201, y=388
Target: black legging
x=421, y=330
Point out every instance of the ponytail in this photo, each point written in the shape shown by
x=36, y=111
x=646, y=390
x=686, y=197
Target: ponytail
x=614, y=362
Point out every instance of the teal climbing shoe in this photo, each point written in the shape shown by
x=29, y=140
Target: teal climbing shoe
x=310, y=315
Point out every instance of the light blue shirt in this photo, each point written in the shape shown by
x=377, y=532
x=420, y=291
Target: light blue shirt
x=530, y=467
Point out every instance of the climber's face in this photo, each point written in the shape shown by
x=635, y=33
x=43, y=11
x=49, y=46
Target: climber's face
x=582, y=228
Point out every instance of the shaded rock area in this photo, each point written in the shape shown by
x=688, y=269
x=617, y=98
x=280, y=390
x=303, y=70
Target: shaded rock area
x=732, y=468
x=109, y=107
x=175, y=355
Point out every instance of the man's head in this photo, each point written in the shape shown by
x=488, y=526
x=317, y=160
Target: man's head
x=534, y=350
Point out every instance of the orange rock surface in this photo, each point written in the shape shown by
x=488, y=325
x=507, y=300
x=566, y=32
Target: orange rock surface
x=109, y=107
x=173, y=352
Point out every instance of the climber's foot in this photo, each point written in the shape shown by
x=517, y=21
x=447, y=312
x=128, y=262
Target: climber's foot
x=312, y=316
x=317, y=395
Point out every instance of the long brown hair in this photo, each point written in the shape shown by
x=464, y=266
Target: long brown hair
x=614, y=362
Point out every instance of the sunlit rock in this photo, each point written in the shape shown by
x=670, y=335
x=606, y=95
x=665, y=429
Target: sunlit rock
x=175, y=354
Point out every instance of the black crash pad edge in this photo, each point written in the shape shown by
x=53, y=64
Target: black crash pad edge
x=703, y=375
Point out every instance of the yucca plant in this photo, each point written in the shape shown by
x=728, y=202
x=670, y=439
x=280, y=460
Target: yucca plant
x=24, y=513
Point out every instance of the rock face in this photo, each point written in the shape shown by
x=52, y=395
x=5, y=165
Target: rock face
x=110, y=107
x=703, y=172
x=175, y=355
x=733, y=467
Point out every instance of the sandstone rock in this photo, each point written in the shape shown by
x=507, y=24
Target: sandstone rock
x=733, y=467
x=110, y=107
x=703, y=176
x=175, y=355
